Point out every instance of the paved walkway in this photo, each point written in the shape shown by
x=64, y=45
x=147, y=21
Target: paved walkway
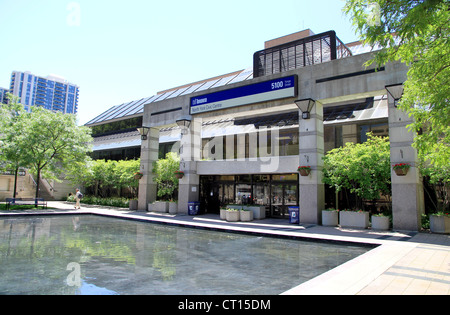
x=407, y=263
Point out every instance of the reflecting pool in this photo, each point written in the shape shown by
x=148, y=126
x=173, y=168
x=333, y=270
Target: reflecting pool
x=99, y=255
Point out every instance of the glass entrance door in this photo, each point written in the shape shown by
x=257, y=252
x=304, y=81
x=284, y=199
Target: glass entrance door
x=278, y=209
x=284, y=195
x=275, y=192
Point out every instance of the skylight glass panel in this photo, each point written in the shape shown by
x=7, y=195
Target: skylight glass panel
x=192, y=88
x=207, y=85
x=133, y=107
x=126, y=109
x=118, y=109
x=223, y=81
x=140, y=108
x=242, y=76
x=99, y=118
x=178, y=92
x=160, y=97
x=165, y=95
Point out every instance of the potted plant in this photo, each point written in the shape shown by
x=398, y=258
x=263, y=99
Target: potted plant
x=179, y=174
x=232, y=215
x=380, y=222
x=401, y=169
x=138, y=175
x=304, y=170
x=354, y=219
x=330, y=217
x=440, y=223
x=246, y=215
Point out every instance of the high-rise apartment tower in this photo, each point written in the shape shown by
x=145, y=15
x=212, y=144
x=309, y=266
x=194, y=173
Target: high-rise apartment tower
x=53, y=92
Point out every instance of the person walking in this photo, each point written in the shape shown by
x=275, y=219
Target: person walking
x=78, y=196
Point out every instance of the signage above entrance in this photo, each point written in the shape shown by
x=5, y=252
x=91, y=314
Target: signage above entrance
x=245, y=95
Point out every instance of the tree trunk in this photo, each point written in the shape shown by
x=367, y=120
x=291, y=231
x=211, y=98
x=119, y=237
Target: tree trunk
x=38, y=176
x=15, y=182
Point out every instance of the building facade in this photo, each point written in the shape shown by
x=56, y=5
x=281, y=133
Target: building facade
x=3, y=92
x=241, y=137
x=53, y=92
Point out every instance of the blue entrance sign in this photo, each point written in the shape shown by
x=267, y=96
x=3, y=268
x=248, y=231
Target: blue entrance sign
x=245, y=95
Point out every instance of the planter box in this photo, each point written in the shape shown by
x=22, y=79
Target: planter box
x=159, y=206
x=380, y=223
x=259, y=212
x=440, y=224
x=350, y=219
x=133, y=204
x=173, y=207
x=223, y=214
x=246, y=216
x=330, y=218
x=232, y=216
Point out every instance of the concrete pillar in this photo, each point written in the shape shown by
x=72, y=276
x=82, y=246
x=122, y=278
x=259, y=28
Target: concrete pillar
x=149, y=154
x=190, y=153
x=311, y=150
x=407, y=191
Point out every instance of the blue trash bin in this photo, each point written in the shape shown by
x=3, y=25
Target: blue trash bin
x=193, y=207
x=294, y=215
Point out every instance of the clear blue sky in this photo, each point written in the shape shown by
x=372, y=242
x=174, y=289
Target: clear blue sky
x=119, y=51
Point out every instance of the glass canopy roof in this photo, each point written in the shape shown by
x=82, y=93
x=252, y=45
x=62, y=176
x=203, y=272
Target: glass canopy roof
x=137, y=107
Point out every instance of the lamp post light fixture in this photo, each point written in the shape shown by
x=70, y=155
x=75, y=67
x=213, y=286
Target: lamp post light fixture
x=395, y=91
x=143, y=131
x=306, y=105
x=184, y=123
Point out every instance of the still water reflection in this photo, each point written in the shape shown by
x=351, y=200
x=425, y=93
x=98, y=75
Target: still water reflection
x=99, y=255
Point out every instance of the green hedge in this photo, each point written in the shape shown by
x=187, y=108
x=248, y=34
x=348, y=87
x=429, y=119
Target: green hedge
x=110, y=202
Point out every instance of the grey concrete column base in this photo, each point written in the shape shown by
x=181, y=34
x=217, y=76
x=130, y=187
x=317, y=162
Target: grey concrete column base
x=311, y=203
x=407, y=206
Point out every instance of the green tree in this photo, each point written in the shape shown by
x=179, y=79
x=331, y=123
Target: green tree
x=125, y=171
x=11, y=138
x=165, y=175
x=53, y=142
x=103, y=176
x=415, y=32
x=363, y=169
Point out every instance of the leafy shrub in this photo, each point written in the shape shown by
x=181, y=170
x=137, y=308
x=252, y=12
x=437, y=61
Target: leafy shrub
x=110, y=202
x=363, y=169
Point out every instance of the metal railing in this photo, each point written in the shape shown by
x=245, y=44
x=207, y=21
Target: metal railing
x=300, y=53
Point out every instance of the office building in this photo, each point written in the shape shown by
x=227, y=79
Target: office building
x=242, y=136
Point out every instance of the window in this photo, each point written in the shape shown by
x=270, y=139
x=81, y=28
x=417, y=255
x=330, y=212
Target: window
x=381, y=129
x=116, y=127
